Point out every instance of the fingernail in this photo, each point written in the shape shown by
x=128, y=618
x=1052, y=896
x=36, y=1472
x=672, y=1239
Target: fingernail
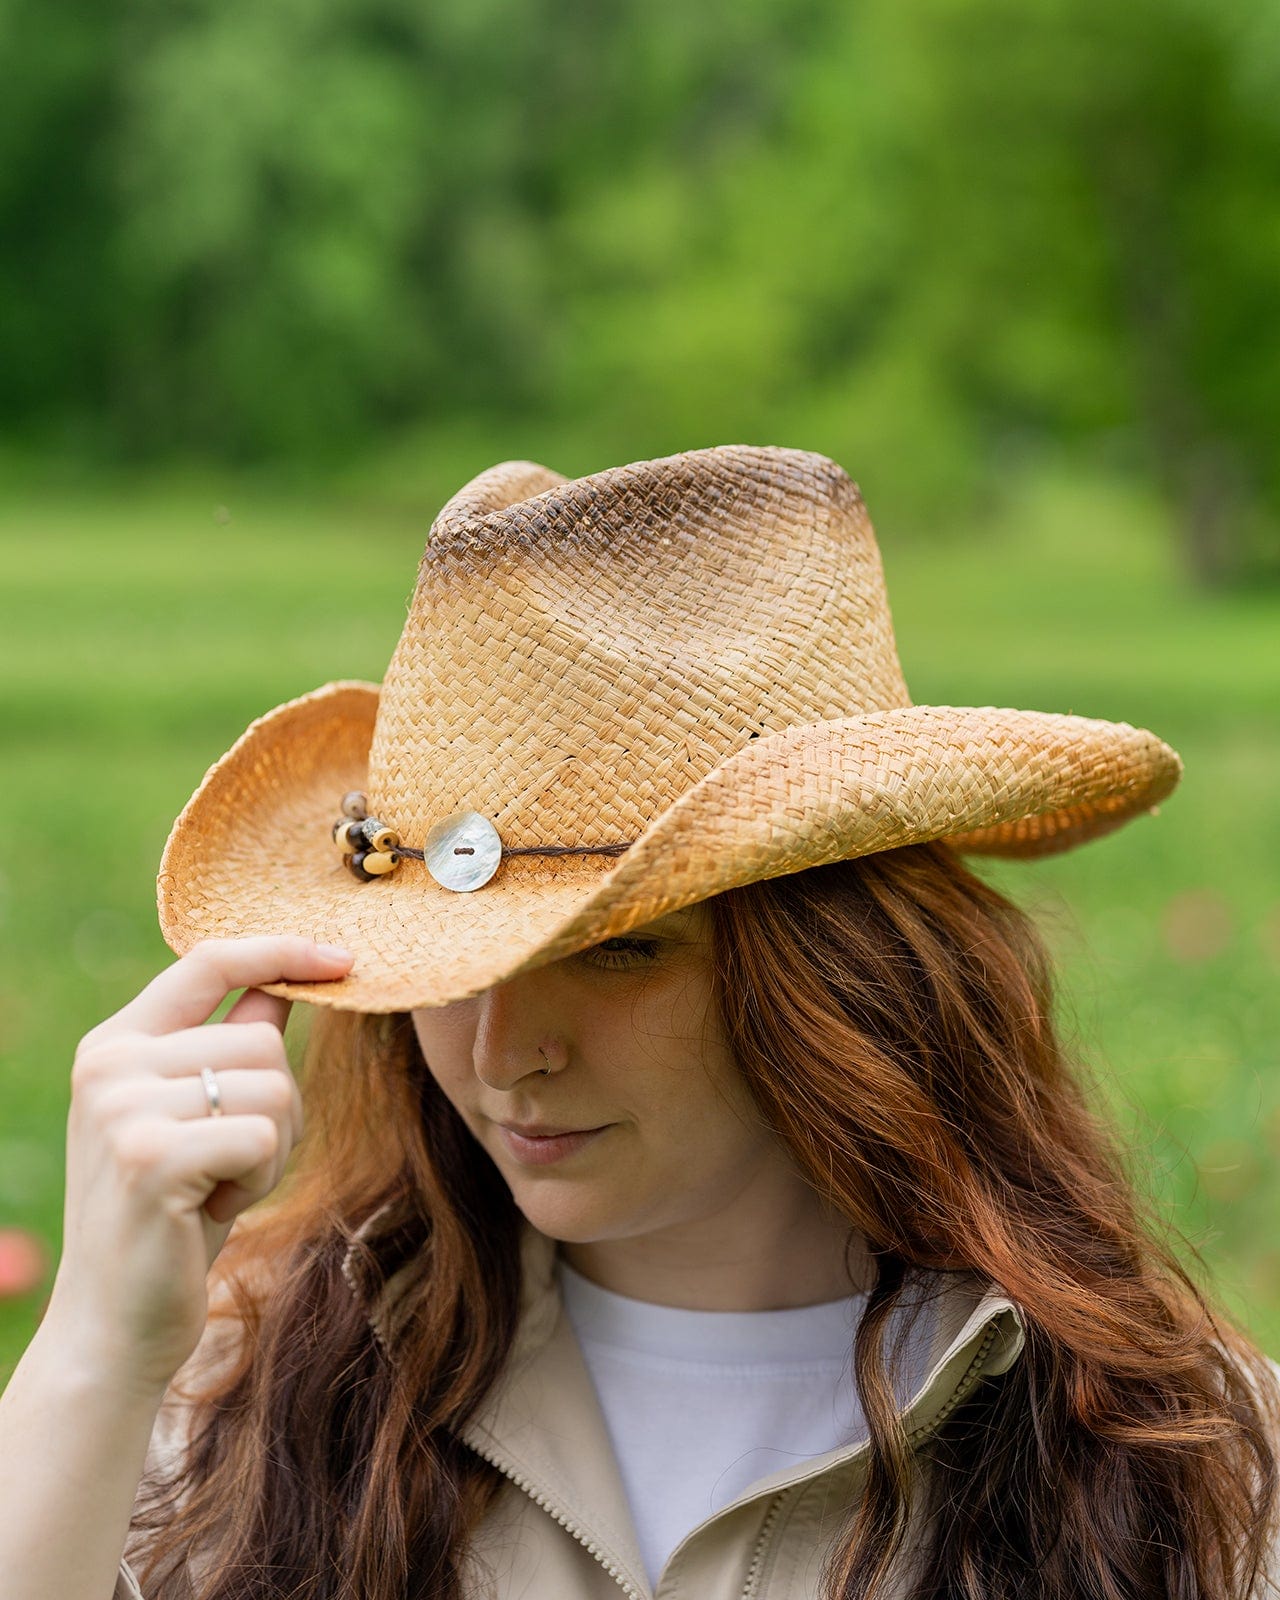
x=334, y=952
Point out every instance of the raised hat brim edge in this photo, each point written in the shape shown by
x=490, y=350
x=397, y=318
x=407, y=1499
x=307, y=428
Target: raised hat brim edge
x=250, y=852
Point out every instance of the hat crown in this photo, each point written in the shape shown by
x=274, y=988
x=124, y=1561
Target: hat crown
x=578, y=654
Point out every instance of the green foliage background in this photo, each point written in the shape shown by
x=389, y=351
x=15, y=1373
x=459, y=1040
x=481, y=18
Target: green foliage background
x=933, y=235
x=277, y=279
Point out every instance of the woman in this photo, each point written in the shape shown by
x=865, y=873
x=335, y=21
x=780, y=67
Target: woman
x=696, y=1197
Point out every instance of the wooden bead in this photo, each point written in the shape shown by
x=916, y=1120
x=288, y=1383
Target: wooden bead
x=341, y=834
x=369, y=864
x=378, y=836
x=355, y=805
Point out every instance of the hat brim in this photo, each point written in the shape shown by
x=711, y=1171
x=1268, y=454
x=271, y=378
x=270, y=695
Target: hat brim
x=251, y=852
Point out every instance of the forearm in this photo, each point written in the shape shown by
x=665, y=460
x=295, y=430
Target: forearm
x=72, y=1450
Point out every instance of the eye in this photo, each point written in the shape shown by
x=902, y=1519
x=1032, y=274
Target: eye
x=622, y=952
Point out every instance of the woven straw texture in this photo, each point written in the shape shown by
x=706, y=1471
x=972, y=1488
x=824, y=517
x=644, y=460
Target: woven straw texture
x=693, y=656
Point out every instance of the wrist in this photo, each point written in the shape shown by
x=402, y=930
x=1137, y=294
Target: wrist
x=79, y=1359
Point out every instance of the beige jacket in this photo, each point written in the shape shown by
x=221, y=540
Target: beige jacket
x=561, y=1530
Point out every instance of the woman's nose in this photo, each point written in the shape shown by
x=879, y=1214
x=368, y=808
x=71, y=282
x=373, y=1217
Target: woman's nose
x=515, y=1037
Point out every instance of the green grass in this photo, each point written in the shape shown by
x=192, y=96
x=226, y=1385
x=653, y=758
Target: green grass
x=139, y=634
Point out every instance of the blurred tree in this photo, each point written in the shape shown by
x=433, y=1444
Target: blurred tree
x=930, y=236
x=980, y=225
x=56, y=112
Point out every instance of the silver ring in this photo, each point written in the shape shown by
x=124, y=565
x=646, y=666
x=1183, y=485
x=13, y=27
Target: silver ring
x=211, y=1091
x=546, y=1071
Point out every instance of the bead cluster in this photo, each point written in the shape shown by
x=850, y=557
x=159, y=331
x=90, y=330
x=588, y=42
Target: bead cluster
x=369, y=847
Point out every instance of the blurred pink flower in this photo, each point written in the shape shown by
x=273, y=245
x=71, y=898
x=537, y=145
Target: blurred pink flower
x=22, y=1262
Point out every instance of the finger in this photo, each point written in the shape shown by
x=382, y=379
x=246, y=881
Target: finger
x=149, y=1070
x=240, y=1092
x=181, y=1055
x=255, y=1006
x=189, y=991
x=226, y=1201
x=239, y=1056
x=199, y=1155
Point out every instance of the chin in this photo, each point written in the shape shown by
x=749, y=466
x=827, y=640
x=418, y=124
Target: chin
x=570, y=1218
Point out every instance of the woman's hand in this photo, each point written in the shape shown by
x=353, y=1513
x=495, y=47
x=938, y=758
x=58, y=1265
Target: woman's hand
x=153, y=1181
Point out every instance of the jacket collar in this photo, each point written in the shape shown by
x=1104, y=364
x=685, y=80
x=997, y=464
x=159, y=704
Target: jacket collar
x=541, y=1423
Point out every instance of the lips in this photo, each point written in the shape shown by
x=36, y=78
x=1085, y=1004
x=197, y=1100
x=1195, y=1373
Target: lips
x=540, y=1130
x=545, y=1147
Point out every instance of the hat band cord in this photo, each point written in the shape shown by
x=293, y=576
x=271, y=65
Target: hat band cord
x=529, y=850
x=370, y=849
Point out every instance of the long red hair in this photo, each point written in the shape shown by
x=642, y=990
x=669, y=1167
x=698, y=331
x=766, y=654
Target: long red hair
x=893, y=1017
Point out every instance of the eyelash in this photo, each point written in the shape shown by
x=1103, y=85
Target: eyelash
x=599, y=956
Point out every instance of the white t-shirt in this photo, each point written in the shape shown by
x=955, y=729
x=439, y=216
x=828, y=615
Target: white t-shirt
x=701, y=1404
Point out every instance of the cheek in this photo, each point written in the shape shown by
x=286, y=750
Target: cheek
x=692, y=1118
x=682, y=1082
x=688, y=1155
x=447, y=1055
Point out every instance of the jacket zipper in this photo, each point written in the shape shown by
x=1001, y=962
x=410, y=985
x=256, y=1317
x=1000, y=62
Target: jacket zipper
x=570, y=1527
x=917, y=1436
x=966, y=1382
x=757, y=1560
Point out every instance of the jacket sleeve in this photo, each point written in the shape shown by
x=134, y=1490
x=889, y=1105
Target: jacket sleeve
x=126, y=1585
x=168, y=1440
x=1269, y=1583
x=169, y=1437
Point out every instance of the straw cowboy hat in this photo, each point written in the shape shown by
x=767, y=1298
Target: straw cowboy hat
x=613, y=697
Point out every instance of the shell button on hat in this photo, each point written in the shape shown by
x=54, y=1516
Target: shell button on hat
x=614, y=696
